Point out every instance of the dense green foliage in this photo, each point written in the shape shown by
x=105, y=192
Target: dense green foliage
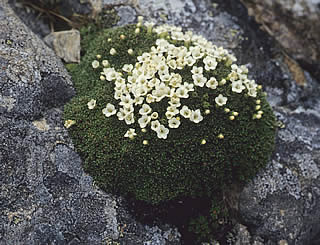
x=180, y=165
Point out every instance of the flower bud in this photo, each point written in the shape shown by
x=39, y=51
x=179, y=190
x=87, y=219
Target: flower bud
x=221, y=136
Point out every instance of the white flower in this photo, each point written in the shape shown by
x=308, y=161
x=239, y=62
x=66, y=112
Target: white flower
x=144, y=57
x=189, y=86
x=120, y=83
x=126, y=100
x=244, y=69
x=212, y=83
x=172, y=64
x=130, y=51
x=197, y=70
x=185, y=112
x=182, y=92
x=196, y=116
x=174, y=122
x=142, y=79
x=150, y=98
x=117, y=94
x=189, y=60
x=129, y=118
x=111, y=75
x=162, y=68
x=252, y=92
x=155, y=125
x=162, y=43
x=109, y=110
x=121, y=114
x=95, y=64
x=144, y=120
x=175, y=102
x=154, y=115
x=175, y=80
x=91, y=104
x=112, y=51
x=161, y=91
x=165, y=77
x=130, y=133
x=162, y=132
x=145, y=109
x=221, y=100
x=153, y=82
x=177, y=35
x=127, y=68
x=199, y=80
x=196, y=52
x=169, y=114
x=138, y=100
x=173, y=109
x=250, y=84
x=237, y=86
x=141, y=90
x=128, y=109
x=210, y=63
x=180, y=63
x=105, y=63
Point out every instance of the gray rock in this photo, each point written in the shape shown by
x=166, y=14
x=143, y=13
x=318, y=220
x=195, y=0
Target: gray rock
x=66, y=45
x=282, y=202
x=294, y=24
x=198, y=16
x=33, y=80
x=127, y=15
x=45, y=197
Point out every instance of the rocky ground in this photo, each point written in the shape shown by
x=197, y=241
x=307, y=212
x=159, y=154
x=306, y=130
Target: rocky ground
x=46, y=198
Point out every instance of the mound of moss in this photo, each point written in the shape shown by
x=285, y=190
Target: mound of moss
x=182, y=121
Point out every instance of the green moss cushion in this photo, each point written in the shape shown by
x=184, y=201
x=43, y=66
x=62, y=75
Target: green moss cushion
x=216, y=125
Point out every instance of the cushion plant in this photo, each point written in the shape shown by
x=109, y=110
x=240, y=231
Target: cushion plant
x=162, y=114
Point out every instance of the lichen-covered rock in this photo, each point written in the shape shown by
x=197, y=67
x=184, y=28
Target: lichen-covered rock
x=45, y=197
x=32, y=79
x=282, y=202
